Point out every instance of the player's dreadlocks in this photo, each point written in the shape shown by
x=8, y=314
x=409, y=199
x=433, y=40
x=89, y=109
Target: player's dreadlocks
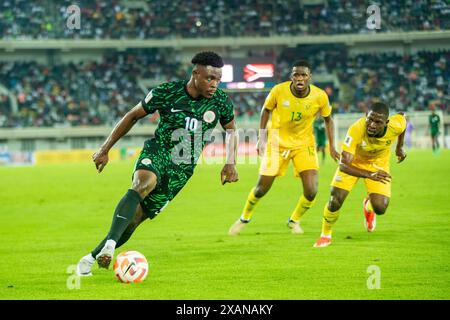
x=208, y=58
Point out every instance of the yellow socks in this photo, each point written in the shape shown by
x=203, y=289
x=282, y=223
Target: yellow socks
x=250, y=205
x=329, y=219
x=302, y=206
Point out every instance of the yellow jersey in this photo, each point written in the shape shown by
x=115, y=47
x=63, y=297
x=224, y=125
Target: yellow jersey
x=370, y=150
x=291, y=123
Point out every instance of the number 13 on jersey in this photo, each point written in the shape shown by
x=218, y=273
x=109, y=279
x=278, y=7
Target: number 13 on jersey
x=296, y=116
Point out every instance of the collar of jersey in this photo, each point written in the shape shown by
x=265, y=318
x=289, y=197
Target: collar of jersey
x=309, y=87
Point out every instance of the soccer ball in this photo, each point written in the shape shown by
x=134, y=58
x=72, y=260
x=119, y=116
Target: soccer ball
x=130, y=266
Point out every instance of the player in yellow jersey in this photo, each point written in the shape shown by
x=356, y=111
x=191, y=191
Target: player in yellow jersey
x=365, y=154
x=288, y=135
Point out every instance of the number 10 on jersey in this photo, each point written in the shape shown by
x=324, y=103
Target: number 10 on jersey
x=191, y=123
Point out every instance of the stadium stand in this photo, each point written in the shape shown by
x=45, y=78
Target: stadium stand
x=202, y=18
x=96, y=92
x=88, y=93
x=60, y=95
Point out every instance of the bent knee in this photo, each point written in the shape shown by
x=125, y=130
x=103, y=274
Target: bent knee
x=310, y=195
x=144, y=183
x=379, y=205
x=260, y=191
x=379, y=209
x=334, y=204
x=144, y=188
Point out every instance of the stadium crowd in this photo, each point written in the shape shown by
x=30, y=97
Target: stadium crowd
x=203, y=18
x=98, y=93
x=85, y=93
x=417, y=81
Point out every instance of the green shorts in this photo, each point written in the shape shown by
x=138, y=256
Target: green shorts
x=434, y=133
x=321, y=141
x=171, y=177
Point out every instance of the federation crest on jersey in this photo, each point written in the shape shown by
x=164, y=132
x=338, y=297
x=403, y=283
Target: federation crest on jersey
x=348, y=140
x=209, y=116
x=286, y=103
x=146, y=161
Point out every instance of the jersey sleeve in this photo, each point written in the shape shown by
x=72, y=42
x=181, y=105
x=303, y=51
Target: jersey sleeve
x=227, y=114
x=154, y=100
x=398, y=123
x=325, y=107
x=271, y=101
x=353, y=138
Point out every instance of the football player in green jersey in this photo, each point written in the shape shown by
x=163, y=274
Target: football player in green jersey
x=320, y=134
x=434, y=122
x=189, y=110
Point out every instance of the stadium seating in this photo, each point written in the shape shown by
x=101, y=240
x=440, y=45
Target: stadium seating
x=203, y=18
x=406, y=82
x=60, y=95
x=99, y=92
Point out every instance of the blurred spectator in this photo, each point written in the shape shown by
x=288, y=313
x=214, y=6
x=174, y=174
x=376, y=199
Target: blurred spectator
x=409, y=133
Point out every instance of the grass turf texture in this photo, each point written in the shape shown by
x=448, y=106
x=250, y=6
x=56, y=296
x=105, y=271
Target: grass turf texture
x=53, y=215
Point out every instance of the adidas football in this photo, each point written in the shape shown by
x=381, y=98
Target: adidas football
x=130, y=266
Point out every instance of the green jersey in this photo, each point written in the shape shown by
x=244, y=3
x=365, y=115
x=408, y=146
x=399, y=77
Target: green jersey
x=319, y=131
x=434, y=122
x=184, y=128
x=186, y=123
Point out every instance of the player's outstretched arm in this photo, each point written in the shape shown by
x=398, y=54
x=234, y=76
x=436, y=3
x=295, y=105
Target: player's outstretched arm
x=100, y=157
x=229, y=173
x=345, y=165
x=399, y=151
x=329, y=124
x=262, y=136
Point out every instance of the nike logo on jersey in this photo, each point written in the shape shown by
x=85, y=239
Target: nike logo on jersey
x=175, y=110
x=119, y=216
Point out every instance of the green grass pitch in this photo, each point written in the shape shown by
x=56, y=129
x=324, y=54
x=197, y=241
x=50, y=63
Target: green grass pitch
x=50, y=216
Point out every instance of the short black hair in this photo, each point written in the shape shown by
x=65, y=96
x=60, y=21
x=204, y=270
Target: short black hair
x=302, y=63
x=208, y=58
x=380, y=107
